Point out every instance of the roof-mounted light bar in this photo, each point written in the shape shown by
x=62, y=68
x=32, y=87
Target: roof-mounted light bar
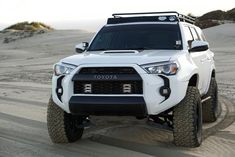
x=170, y=16
x=116, y=15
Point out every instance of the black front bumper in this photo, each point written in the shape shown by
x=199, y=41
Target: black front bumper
x=109, y=105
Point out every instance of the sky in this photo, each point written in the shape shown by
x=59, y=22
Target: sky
x=92, y=14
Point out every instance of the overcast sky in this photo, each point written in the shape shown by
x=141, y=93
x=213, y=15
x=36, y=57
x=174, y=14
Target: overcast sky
x=91, y=14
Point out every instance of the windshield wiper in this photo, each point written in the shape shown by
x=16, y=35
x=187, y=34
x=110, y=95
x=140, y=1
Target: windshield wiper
x=102, y=49
x=139, y=48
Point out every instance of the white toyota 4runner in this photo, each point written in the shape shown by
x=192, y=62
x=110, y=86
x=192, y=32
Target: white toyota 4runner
x=153, y=65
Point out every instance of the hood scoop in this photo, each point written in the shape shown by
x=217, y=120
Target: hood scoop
x=120, y=51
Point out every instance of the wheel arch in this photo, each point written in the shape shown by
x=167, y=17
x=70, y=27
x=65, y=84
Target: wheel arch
x=193, y=81
x=213, y=73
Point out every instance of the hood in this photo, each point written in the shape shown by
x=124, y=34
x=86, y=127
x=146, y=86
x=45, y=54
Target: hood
x=120, y=57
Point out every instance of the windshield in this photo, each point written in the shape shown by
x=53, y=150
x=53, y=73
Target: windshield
x=138, y=37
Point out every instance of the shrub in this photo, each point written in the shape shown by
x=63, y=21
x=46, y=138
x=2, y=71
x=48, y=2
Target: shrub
x=33, y=26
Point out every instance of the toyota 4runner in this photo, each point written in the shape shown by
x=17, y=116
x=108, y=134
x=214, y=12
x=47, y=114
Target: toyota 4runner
x=154, y=65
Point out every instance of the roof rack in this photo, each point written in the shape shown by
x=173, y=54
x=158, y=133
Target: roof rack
x=169, y=16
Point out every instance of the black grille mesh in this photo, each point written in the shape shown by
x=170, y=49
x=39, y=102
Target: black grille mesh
x=108, y=87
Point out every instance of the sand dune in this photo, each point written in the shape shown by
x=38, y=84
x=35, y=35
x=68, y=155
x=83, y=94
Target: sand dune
x=222, y=42
x=221, y=37
x=31, y=59
x=25, y=73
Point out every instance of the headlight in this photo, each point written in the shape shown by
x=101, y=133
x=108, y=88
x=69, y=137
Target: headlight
x=167, y=68
x=63, y=69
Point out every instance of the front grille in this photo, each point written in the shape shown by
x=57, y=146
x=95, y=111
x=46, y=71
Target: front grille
x=124, y=85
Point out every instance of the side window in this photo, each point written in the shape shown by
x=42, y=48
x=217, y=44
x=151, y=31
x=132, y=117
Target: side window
x=203, y=37
x=188, y=35
x=195, y=35
x=200, y=34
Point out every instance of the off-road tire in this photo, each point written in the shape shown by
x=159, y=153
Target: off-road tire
x=62, y=127
x=187, y=120
x=210, y=108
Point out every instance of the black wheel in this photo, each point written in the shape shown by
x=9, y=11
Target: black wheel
x=187, y=120
x=210, y=108
x=62, y=127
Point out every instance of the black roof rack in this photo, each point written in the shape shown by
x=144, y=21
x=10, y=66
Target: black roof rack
x=169, y=16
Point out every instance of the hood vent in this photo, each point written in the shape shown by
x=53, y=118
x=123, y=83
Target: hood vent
x=120, y=51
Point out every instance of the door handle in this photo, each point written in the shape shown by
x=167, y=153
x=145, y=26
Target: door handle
x=206, y=59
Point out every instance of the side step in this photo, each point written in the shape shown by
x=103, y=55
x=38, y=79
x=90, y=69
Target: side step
x=85, y=124
x=205, y=99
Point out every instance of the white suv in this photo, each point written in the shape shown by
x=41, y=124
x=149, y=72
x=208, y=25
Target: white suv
x=153, y=65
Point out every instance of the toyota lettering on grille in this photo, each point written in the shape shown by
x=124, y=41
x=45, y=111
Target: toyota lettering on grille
x=105, y=77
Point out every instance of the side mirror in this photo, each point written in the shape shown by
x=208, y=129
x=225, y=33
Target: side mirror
x=197, y=46
x=80, y=48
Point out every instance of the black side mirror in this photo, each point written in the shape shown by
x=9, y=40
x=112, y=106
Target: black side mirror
x=197, y=46
x=80, y=48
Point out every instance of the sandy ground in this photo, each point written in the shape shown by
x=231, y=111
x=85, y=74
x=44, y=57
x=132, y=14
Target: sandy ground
x=25, y=72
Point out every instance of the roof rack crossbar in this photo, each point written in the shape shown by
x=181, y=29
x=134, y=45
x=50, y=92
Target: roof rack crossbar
x=188, y=19
x=181, y=17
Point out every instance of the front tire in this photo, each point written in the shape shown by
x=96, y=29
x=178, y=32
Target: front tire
x=187, y=120
x=62, y=127
x=210, y=108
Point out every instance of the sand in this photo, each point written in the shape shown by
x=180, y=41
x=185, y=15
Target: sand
x=222, y=42
x=25, y=73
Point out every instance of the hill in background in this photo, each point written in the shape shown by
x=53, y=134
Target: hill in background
x=215, y=18
x=26, y=26
x=24, y=30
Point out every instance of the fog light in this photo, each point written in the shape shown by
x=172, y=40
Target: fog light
x=165, y=91
x=59, y=91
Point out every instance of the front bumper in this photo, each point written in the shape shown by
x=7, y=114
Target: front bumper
x=112, y=105
x=151, y=98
